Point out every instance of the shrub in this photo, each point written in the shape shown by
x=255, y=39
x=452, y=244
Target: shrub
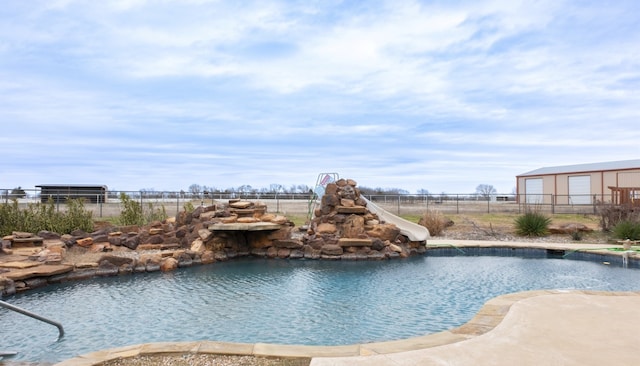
x=576, y=235
x=156, y=214
x=611, y=215
x=627, y=230
x=44, y=216
x=434, y=222
x=131, y=213
x=532, y=224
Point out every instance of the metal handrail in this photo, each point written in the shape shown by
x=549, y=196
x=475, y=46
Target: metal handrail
x=35, y=316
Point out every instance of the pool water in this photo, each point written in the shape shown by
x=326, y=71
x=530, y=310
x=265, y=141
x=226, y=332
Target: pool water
x=288, y=302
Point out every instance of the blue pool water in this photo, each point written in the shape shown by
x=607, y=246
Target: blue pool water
x=291, y=302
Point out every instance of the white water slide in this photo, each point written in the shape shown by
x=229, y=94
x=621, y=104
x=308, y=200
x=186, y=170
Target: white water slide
x=410, y=229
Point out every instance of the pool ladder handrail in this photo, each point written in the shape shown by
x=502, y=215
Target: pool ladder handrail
x=35, y=316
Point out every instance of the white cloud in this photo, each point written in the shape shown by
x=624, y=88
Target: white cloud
x=406, y=93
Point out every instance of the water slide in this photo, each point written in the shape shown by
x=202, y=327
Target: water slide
x=411, y=230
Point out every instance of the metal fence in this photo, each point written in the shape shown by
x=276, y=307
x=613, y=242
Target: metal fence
x=299, y=203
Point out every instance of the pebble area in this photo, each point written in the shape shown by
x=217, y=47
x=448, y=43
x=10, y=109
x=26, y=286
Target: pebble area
x=207, y=360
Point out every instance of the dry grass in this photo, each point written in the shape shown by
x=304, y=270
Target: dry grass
x=434, y=221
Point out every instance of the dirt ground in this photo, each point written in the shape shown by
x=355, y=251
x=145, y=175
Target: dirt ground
x=502, y=227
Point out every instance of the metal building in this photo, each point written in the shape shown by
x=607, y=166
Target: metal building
x=615, y=182
x=92, y=193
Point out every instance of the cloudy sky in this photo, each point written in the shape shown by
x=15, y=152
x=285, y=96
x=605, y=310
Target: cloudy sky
x=437, y=95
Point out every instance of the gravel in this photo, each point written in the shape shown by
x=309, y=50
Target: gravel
x=207, y=360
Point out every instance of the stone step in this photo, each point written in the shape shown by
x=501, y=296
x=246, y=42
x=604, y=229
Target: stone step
x=243, y=212
x=357, y=210
x=354, y=242
x=26, y=242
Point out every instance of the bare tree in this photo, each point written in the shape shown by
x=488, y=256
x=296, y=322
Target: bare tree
x=485, y=190
x=195, y=189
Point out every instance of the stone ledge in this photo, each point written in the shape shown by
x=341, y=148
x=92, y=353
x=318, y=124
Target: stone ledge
x=357, y=210
x=254, y=226
x=354, y=242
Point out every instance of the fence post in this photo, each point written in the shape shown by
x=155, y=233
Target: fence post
x=553, y=205
x=457, y=203
x=488, y=200
x=398, y=205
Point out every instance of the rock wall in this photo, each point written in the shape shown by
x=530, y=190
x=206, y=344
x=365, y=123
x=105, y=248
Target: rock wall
x=343, y=228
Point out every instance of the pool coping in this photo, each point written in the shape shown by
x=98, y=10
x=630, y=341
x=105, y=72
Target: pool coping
x=485, y=320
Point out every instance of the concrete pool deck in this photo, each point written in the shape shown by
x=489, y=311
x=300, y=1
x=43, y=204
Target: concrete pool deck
x=546, y=327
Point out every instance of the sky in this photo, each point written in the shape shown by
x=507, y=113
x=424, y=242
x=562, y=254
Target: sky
x=419, y=95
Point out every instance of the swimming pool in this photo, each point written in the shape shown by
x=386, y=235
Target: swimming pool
x=291, y=302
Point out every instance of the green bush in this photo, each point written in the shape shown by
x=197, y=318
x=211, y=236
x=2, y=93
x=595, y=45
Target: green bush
x=156, y=214
x=627, y=230
x=532, y=224
x=44, y=216
x=133, y=214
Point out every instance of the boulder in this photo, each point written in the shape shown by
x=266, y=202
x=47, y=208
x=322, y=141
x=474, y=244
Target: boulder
x=241, y=204
x=106, y=268
x=48, y=235
x=198, y=246
x=354, y=242
x=331, y=249
x=288, y=244
x=207, y=257
x=280, y=220
x=347, y=202
x=384, y=232
x=85, y=243
x=311, y=253
x=284, y=253
x=353, y=227
x=168, y=264
x=184, y=260
x=569, y=228
x=131, y=242
x=326, y=228
x=117, y=260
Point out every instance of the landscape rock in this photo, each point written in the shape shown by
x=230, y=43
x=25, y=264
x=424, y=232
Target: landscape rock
x=569, y=228
x=168, y=264
x=332, y=249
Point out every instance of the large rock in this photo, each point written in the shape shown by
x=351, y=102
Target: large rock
x=332, y=249
x=569, y=228
x=353, y=227
x=117, y=260
x=198, y=246
x=207, y=257
x=384, y=232
x=288, y=244
x=169, y=264
x=326, y=228
x=131, y=242
x=85, y=243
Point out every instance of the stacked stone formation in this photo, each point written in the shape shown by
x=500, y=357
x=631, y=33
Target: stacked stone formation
x=343, y=228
